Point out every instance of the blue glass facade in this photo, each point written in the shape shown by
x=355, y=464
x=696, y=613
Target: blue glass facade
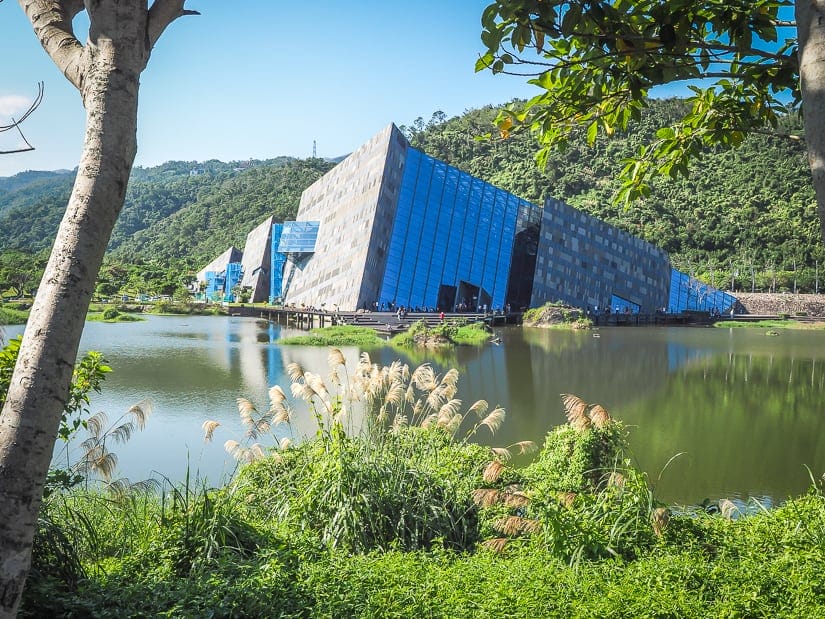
x=452, y=241
x=298, y=237
x=278, y=261
x=687, y=293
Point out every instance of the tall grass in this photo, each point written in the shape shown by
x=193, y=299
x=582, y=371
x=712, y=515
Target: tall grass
x=390, y=467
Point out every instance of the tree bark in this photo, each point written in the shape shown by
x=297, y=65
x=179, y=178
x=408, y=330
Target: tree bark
x=37, y=395
x=106, y=71
x=810, y=21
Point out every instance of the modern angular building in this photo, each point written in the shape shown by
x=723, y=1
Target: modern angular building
x=256, y=262
x=390, y=226
x=397, y=227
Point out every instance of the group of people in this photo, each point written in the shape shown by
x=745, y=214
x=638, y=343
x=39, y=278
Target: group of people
x=607, y=311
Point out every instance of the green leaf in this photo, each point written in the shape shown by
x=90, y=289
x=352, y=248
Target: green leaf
x=592, y=133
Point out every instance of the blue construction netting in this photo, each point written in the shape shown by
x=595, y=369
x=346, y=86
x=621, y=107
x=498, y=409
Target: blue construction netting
x=214, y=285
x=687, y=293
x=233, y=278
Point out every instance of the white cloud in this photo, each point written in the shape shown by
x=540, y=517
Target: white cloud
x=13, y=105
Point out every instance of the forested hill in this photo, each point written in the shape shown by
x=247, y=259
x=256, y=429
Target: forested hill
x=754, y=205
x=180, y=210
x=222, y=212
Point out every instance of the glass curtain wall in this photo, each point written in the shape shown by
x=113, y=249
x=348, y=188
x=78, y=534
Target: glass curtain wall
x=298, y=237
x=687, y=293
x=452, y=241
x=278, y=260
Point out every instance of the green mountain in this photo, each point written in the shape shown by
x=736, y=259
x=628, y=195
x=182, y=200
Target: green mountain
x=179, y=210
x=753, y=206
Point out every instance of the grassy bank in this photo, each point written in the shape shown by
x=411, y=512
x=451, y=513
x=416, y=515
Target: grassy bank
x=770, y=324
x=112, y=315
x=405, y=516
x=444, y=334
x=556, y=316
x=343, y=335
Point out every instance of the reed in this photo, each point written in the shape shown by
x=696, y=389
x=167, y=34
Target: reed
x=401, y=476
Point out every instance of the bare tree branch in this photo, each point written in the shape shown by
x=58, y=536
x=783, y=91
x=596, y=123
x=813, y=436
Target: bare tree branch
x=161, y=14
x=15, y=123
x=52, y=22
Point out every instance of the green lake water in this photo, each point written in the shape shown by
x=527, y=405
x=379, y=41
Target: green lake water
x=743, y=412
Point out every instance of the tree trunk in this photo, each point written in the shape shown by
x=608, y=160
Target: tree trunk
x=810, y=20
x=106, y=71
x=37, y=394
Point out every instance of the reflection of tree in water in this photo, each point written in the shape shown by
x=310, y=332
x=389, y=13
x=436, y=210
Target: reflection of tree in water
x=613, y=369
x=747, y=423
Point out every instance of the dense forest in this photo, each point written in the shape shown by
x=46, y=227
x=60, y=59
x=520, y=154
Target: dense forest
x=753, y=205
x=748, y=213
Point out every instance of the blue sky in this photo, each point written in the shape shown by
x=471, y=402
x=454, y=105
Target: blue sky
x=262, y=78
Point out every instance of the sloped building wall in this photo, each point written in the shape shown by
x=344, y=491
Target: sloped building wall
x=256, y=261
x=355, y=205
x=584, y=261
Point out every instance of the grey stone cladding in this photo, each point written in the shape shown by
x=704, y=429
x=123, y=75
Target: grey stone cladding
x=355, y=204
x=256, y=261
x=582, y=259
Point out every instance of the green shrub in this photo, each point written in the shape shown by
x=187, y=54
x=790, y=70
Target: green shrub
x=344, y=335
x=110, y=313
x=403, y=480
x=576, y=460
x=10, y=316
x=411, y=491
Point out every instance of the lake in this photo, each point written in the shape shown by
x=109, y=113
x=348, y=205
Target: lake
x=741, y=411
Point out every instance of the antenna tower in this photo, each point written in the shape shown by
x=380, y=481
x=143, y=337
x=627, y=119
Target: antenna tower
x=313, y=150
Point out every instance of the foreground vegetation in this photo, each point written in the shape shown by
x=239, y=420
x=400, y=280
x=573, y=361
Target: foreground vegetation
x=392, y=510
